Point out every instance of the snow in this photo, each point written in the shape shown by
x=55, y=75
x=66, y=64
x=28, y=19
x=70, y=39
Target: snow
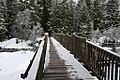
x=12, y=64
x=77, y=70
x=39, y=38
x=33, y=71
x=12, y=44
x=75, y=1
x=95, y=78
x=102, y=39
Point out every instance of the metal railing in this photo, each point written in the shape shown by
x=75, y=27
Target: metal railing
x=25, y=74
x=103, y=63
x=39, y=75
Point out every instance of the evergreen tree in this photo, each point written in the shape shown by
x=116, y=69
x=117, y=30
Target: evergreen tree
x=111, y=17
x=62, y=17
x=22, y=27
x=97, y=14
x=9, y=18
x=83, y=18
x=35, y=7
x=40, y=12
x=45, y=21
x=2, y=21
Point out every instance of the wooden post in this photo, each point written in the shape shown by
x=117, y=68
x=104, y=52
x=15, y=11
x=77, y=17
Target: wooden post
x=95, y=61
x=86, y=54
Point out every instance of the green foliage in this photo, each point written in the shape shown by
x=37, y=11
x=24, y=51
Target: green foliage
x=45, y=21
x=40, y=12
x=2, y=21
x=62, y=17
x=83, y=18
x=111, y=18
x=2, y=33
x=97, y=14
x=13, y=7
x=21, y=28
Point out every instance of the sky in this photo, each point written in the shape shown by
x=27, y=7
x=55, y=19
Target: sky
x=75, y=0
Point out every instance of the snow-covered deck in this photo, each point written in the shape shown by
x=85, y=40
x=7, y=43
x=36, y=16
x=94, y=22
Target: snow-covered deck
x=75, y=69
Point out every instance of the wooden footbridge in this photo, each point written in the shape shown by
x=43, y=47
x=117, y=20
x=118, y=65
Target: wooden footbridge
x=97, y=61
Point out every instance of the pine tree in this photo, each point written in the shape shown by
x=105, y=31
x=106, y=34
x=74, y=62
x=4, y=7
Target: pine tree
x=2, y=21
x=111, y=17
x=97, y=14
x=45, y=21
x=9, y=18
x=40, y=12
x=83, y=18
x=62, y=17
x=22, y=27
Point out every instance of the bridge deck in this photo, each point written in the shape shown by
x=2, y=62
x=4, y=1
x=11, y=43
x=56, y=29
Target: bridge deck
x=56, y=69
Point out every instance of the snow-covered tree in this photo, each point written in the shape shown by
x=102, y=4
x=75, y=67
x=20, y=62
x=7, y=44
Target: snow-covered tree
x=2, y=21
x=40, y=12
x=111, y=17
x=83, y=18
x=62, y=17
x=22, y=26
x=97, y=14
x=13, y=7
x=45, y=21
x=9, y=18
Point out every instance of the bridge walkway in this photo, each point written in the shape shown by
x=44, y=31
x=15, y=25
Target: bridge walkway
x=56, y=69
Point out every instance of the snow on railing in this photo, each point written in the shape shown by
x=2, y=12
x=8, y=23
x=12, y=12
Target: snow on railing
x=31, y=70
x=111, y=52
x=39, y=75
x=36, y=67
x=103, y=63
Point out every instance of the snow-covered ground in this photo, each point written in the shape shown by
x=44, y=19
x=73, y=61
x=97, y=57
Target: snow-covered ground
x=12, y=44
x=33, y=71
x=13, y=64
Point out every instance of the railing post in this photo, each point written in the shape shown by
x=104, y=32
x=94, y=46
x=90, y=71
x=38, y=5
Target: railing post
x=83, y=46
x=74, y=46
x=95, y=61
x=86, y=53
x=71, y=43
x=39, y=75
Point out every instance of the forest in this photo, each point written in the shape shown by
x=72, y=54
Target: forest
x=88, y=18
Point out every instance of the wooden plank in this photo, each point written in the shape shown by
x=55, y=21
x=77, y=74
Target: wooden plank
x=56, y=69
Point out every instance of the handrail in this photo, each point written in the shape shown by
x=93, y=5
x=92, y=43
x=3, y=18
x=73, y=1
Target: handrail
x=111, y=52
x=24, y=75
x=39, y=75
x=103, y=63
